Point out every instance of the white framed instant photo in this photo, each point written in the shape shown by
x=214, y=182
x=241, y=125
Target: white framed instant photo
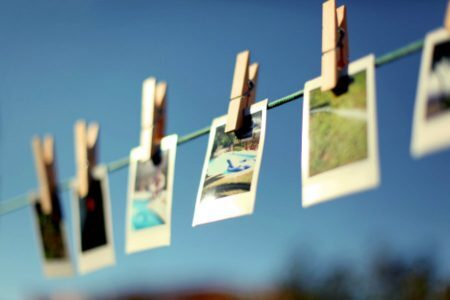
x=51, y=236
x=149, y=205
x=92, y=223
x=339, y=138
x=231, y=169
x=431, y=122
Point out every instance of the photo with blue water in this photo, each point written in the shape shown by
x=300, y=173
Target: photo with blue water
x=149, y=204
x=232, y=159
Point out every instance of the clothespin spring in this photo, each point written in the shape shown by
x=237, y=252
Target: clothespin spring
x=251, y=86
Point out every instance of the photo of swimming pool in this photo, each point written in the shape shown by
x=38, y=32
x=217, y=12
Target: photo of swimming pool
x=149, y=194
x=232, y=160
x=143, y=216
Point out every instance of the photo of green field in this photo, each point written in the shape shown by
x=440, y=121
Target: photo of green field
x=338, y=126
x=232, y=160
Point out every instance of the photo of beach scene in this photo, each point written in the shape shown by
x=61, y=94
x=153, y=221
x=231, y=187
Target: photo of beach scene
x=149, y=200
x=338, y=126
x=232, y=160
x=438, y=81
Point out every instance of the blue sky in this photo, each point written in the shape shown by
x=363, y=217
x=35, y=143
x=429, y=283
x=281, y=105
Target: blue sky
x=61, y=61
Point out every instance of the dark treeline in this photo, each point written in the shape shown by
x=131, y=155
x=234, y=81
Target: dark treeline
x=385, y=276
x=388, y=276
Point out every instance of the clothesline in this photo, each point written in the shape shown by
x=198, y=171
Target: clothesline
x=21, y=201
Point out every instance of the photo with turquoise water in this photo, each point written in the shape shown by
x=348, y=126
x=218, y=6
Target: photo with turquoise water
x=232, y=159
x=149, y=204
x=143, y=216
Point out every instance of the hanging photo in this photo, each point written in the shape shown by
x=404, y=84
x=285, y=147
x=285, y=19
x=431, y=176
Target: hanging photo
x=149, y=208
x=432, y=110
x=339, y=139
x=230, y=172
x=92, y=224
x=52, y=238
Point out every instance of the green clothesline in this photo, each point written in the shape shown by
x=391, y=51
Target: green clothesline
x=22, y=201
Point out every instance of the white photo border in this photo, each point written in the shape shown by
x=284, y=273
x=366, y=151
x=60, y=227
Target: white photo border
x=429, y=135
x=156, y=236
x=234, y=205
x=102, y=256
x=353, y=177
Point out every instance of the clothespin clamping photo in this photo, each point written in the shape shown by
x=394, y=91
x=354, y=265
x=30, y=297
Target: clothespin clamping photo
x=44, y=158
x=153, y=118
x=85, y=150
x=335, y=45
x=447, y=18
x=243, y=91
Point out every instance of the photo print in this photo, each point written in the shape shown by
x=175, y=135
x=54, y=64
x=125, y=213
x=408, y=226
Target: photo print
x=231, y=169
x=93, y=224
x=339, y=138
x=149, y=205
x=432, y=109
x=52, y=238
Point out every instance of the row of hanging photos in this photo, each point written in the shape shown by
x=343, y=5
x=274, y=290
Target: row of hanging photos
x=339, y=153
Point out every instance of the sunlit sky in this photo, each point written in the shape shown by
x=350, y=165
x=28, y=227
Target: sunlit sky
x=61, y=61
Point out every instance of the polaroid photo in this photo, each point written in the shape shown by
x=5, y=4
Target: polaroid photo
x=339, y=138
x=431, y=122
x=149, y=205
x=93, y=225
x=52, y=238
x=231, y=169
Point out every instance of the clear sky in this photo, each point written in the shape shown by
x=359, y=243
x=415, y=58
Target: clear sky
x=65, y=60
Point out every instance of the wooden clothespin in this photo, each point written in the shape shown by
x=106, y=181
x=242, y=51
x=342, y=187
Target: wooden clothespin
x=243, y=91
x=44, y=159
x=85, y=151
x=335, y=49
x=447, y=18
x=153, y=118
